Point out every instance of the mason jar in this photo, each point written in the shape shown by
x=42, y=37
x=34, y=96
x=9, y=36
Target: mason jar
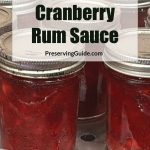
x=92, y=105
x=39, y=102
x=23, y=11
x=128, y=90
x=5, y=20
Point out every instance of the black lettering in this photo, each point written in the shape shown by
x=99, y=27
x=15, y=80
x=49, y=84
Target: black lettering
x=110, y=13
x=77, y=13
x=102, y=13
x=87, y=13
x=85, y=37
x=46, y=36
x=114, y=37
x=67, y=14
x=59, y=37
x=94, y=37
x=39, y=10
x=75, y=38
x=48, y=13
x=57, y=14
x=104, y=36
x=36, y=35
x=95, y=11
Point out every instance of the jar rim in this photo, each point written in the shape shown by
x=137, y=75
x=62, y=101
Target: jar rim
x=44, y=74
x=35, y=69
x=129, y=65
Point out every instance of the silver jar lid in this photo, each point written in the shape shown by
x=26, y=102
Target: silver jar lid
x=34, y=69
x=123, y=61
x=5, y=20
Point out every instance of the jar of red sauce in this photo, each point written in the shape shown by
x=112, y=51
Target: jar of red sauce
x=5, y=20
x=92, y=105
x=128, y=88
x=24, y=10
x=39, y=102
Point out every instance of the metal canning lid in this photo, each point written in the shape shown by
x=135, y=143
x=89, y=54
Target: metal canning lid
x=33, y=69
x=125, y=62
x=131, y=3
x=5, y=20
x=81, y=24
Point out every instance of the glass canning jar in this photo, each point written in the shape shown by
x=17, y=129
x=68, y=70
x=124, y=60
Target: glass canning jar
x=39, y=101
x=128, y=90
x=92, y=105
x=5, y=20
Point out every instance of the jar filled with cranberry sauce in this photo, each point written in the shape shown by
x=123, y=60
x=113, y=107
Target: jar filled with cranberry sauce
x=92, y=104
x=23, y=11
x=5, y=20
x=128, y=88
x=39, y=102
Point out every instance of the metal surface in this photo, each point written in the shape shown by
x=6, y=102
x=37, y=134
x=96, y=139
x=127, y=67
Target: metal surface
x=91, y=135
